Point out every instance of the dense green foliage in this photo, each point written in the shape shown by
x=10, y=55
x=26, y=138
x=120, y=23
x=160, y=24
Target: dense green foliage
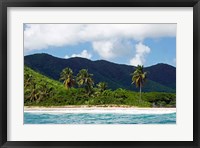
x=40, y=90
x=161, y=77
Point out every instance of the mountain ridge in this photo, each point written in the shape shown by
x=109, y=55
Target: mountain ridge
x=46, y=54
x=161, y=77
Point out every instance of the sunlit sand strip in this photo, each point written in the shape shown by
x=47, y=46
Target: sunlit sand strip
x=99, y=110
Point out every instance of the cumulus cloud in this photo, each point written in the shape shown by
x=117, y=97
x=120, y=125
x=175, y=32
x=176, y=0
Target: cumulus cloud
x=66, y=57
x=104, y=49
x=109, y=49
x=141, y=51
x=42, y=36
x=83, y=54
x=107, y=40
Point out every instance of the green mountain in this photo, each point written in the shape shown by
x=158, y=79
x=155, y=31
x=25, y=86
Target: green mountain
x=38, y=87
x=161, y=77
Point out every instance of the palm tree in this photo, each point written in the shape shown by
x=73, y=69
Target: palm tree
x=67, y=76
x=45, y=92
x=102, y=86
x=139, y=77
x=85, y=79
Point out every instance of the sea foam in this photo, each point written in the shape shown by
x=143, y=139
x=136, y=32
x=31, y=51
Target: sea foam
x=104, y=111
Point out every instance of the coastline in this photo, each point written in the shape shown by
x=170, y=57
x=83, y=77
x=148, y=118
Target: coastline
x=98, y=109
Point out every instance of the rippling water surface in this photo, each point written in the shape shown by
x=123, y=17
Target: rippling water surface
x=98, y=118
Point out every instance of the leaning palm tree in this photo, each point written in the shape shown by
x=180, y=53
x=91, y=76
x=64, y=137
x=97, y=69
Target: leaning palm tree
x=84, y=79
x=139, y=77
x=67, y=77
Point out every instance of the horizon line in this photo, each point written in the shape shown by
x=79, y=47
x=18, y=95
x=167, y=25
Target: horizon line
x=95, y=60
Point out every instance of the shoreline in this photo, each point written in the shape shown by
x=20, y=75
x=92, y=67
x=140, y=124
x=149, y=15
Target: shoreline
x=98, y=109
x=93, y=106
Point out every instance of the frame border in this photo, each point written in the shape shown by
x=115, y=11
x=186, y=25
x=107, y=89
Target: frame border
x=99, y=3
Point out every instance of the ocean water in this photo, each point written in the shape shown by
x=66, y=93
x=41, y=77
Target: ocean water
x=98, y=118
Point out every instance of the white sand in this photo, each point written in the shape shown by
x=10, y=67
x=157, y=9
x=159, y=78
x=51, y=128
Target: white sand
x=95, y=109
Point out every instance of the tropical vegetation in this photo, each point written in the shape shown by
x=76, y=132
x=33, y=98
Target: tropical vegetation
x=40, y=90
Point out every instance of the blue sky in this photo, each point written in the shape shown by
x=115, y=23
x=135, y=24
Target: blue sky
x=131, y=44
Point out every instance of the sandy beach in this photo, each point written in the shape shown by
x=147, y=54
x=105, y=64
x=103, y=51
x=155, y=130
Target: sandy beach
x=99, y=109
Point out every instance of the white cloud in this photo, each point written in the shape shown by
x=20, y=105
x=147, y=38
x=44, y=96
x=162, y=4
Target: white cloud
x=109, y=49
x=104, y=49
x=141, y=51
x=136, y=60
x=41, y=36
x=83, y=54
x=108, y=40
x=66, y=57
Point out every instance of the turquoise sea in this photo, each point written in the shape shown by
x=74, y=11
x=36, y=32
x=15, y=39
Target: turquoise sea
x=98, y=118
